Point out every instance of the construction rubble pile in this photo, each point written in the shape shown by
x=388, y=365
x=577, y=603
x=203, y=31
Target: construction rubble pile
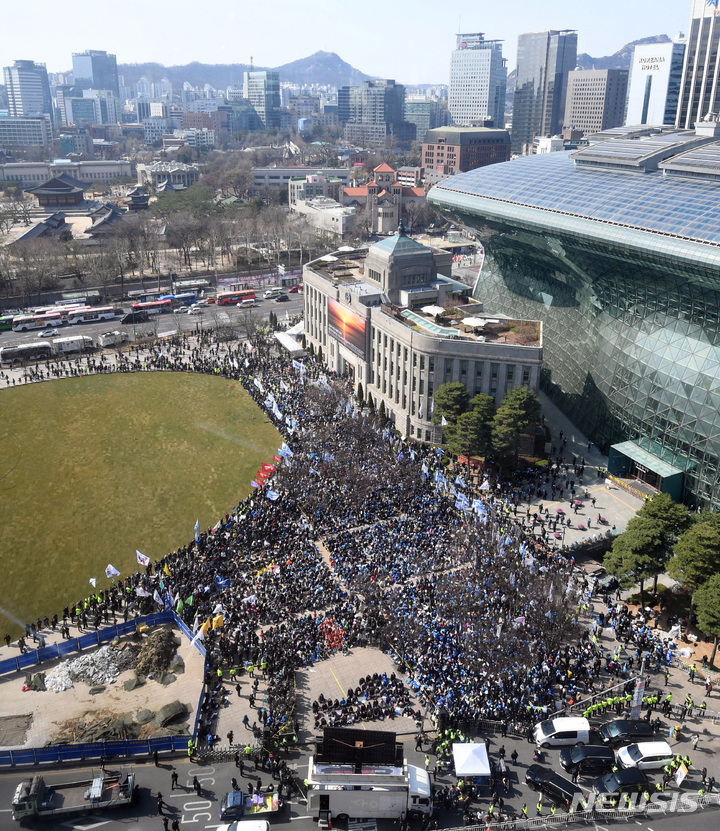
x=158, y=658
x=96, y=669
x=170, y=720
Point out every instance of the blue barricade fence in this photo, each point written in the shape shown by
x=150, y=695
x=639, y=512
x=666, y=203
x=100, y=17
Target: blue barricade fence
x=91, y=640
x=91, y=751
x=97, y=750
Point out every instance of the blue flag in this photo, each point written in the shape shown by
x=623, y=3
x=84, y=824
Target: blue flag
x=197, y=530
x=220, y=583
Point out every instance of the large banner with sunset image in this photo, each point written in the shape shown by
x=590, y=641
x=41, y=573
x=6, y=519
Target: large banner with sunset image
x=347, y=327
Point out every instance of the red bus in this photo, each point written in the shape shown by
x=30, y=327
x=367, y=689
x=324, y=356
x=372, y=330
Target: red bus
x=232, y=298
x=153, y=307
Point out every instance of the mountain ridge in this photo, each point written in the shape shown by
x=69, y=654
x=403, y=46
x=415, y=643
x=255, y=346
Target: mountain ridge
x=321, y=68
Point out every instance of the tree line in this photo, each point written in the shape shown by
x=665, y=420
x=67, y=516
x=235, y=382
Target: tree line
x=665, y=536
x=473, y=427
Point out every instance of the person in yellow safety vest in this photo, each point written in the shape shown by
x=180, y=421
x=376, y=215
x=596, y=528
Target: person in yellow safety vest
x=539, y=807
x=553, y=809
x=524, y=811
x=191, y=748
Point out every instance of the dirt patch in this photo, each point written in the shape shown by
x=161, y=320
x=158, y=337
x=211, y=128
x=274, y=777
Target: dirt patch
x=13, y=729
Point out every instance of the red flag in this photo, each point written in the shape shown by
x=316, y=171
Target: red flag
x=262, y=474
x=277, y=458
x=268, y=468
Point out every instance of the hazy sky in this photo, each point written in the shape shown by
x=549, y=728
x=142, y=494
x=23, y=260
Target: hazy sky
x=408, y=41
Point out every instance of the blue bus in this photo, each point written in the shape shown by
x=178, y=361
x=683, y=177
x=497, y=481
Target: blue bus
x=178, y=300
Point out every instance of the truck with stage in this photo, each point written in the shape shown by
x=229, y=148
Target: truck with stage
x=373, y=791
x=35, y=799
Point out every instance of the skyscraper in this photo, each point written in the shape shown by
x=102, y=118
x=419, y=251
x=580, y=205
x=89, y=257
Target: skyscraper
x=595, y=99
x=28, y=89
x=478, y=78
x=95, y=69
x=375, y=110
x=700, y=89
x=543, y=62
x=654, y=86
x=262, y=89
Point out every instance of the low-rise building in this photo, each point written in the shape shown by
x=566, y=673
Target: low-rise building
x=381, y=317
x=312, y=185
x=33, y=173
x=25, y=131
x=326, y=215
x=279, y=177
x=451, y=150
x=384, y=202
x=178, y=174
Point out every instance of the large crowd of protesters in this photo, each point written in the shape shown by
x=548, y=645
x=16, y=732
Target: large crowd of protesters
x=360, y=537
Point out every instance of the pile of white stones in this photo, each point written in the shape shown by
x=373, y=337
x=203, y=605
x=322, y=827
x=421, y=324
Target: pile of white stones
x=100, y=667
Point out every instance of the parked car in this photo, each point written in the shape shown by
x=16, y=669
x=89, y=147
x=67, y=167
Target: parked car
x=551, y=784
x=294, y=289
x=645, y=755
x=588, y=759
x=631, y=780
x=626, y=731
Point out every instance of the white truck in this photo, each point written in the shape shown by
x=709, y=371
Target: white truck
x=376, y=791
x=75, y=343
x=106, y=340
x=34, y=798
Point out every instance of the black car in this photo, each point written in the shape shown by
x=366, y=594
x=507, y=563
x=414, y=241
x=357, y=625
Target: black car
x=282, y=298
x=630, y=780
x=587, y=759
x=135, y=317
x=561, y=790
x=626, y=731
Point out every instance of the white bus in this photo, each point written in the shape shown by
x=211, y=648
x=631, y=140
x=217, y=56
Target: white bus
x=26, y=352
x=91, y=314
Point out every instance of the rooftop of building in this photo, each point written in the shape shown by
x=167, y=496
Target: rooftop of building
x=463, y=135
x=661, y=182
x=459, y=319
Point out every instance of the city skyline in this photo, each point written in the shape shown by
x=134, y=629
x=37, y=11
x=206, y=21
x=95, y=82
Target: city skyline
x=148, y=31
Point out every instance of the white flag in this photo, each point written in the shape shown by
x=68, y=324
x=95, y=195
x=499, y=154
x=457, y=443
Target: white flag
x=141, y=558
x=111, y=571
x=93, y=582
x=157, y=598
x=140, y=592
x=443, y=422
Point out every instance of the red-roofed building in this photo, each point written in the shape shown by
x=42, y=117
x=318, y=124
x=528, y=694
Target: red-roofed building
x=383, y=203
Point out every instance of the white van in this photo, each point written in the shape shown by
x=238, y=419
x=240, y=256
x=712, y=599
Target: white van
x=645, y=755
x=246, y=304
x=271, y=293
x=559, y=732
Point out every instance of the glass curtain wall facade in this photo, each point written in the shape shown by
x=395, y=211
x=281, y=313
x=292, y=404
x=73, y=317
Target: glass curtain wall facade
x=543, y=63
x=700, y=92
x=631, y=317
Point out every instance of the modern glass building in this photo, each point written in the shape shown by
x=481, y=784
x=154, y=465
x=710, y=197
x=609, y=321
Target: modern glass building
x=616, y=248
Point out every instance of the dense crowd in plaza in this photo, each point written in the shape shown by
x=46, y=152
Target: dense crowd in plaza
x=360, y=537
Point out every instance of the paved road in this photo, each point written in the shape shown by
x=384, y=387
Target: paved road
x=214, y=316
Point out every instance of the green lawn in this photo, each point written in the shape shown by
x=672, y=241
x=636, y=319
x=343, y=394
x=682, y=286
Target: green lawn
x=93, y=468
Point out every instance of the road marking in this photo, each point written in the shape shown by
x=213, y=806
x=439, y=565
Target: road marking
x=336, y=680
x=85, y=825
